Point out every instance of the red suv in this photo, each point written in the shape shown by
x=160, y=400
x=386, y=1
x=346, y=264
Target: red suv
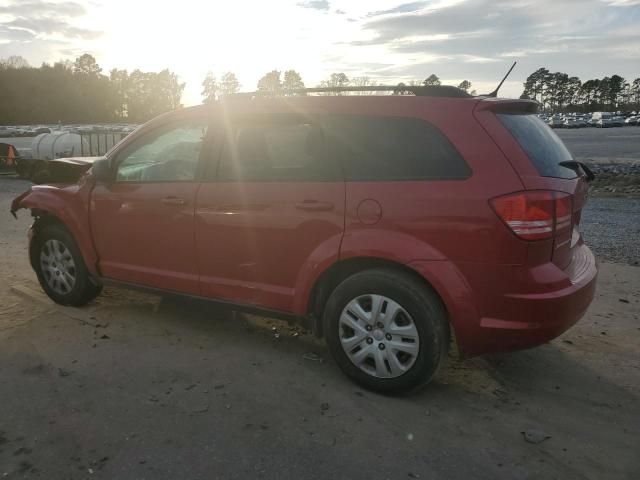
x=387, y=224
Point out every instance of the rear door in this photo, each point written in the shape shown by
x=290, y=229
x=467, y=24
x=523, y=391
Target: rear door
x=274, y=207
x=143, y=222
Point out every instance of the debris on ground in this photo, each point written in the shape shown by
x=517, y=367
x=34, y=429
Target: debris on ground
x=535, y=436
x=312, y=356
x=201, y=409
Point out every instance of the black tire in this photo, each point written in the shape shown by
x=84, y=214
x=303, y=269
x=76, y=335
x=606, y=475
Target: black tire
x=85, y=288
x=418, y=300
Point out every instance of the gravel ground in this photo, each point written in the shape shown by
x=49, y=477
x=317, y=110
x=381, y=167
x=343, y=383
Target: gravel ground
x=611, y=227
x=603, y=144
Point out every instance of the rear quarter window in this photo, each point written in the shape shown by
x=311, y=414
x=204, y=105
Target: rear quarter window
x=543, y=147
x=393, y=148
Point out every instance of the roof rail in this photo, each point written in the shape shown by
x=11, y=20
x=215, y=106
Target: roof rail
x=419, y=90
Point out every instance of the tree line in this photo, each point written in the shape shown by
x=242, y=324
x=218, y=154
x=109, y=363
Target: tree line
x=558, y=92
x=276, y=82
x=79, y=92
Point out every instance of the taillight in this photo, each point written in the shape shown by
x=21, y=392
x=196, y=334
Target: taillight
x=535, y=214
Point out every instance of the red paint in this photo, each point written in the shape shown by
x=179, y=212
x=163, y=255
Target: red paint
x=253, y=239
x=268, y=243
x=142, y=237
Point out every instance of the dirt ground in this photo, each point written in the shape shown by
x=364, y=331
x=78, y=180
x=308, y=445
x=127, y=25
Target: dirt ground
x=137, y=387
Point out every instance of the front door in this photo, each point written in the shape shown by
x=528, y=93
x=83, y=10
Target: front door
x=275, y=207
x=143, y=222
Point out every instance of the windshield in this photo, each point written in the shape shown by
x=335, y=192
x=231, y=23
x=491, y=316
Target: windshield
x=543, y=147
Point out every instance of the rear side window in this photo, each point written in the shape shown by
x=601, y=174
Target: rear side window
x=275, y=150
x=543, y=147
x=393, y=148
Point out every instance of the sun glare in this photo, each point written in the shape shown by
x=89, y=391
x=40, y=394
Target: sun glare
x=194, y=37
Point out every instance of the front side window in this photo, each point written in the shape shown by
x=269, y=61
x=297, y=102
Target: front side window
x=274, y=151
x=169, y=154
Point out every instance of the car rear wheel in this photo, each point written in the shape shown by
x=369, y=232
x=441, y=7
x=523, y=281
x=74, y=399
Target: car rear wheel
x=386, y=330
x=60, y=268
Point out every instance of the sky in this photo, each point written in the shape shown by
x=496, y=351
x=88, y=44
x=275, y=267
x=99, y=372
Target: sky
x=388, y=41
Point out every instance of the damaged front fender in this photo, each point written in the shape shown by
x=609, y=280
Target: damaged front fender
x=16, y=204
x=67, y=205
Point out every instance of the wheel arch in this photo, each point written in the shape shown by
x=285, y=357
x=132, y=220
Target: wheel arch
x=67, y=206
x=337, y=272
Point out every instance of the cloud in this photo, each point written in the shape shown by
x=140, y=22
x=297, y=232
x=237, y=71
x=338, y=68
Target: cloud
x=43, y=8
x=622, y=3
x=52, y=26
x=490, y=29
x=8, y=34
x=478, y=39
x=43, y=19
x=315, y=4
x=404, y=8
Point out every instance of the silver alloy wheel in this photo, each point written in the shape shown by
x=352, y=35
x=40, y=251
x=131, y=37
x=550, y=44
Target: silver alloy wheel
x=379, y=336
x=58, y=267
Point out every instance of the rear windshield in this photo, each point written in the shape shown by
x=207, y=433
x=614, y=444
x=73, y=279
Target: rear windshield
x=541, y=144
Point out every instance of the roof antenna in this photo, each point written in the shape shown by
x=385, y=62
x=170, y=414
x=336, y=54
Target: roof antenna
x=495, y=92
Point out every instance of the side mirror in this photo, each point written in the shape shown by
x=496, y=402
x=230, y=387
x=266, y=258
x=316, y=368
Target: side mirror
x=101, y=170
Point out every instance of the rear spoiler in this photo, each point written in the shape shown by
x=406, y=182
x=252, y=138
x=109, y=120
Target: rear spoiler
x=506, y=105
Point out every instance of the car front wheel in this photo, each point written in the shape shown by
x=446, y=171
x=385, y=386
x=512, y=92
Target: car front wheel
x=387, y=330
x=60, y=268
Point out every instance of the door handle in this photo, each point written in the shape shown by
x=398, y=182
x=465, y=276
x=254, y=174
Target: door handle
x=315, y=206
x=173, y=201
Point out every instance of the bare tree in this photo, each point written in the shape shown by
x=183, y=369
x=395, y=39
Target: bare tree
x=14, y=61
x=364, y=81
x=336, y=80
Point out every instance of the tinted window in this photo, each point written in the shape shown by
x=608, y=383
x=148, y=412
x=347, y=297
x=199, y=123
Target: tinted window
x=540, y=143
x=275, y=151
x=394, y=148
x=168, y=154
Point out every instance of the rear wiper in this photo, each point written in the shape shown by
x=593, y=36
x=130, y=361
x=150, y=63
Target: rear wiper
x=575, y=165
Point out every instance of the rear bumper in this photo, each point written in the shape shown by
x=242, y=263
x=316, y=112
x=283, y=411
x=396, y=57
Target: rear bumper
x=513, y=308
x=536, y=318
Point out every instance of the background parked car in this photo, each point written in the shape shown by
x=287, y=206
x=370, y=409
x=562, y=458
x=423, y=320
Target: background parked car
x=556, y=122
x=570, y=122
x=617, y=121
